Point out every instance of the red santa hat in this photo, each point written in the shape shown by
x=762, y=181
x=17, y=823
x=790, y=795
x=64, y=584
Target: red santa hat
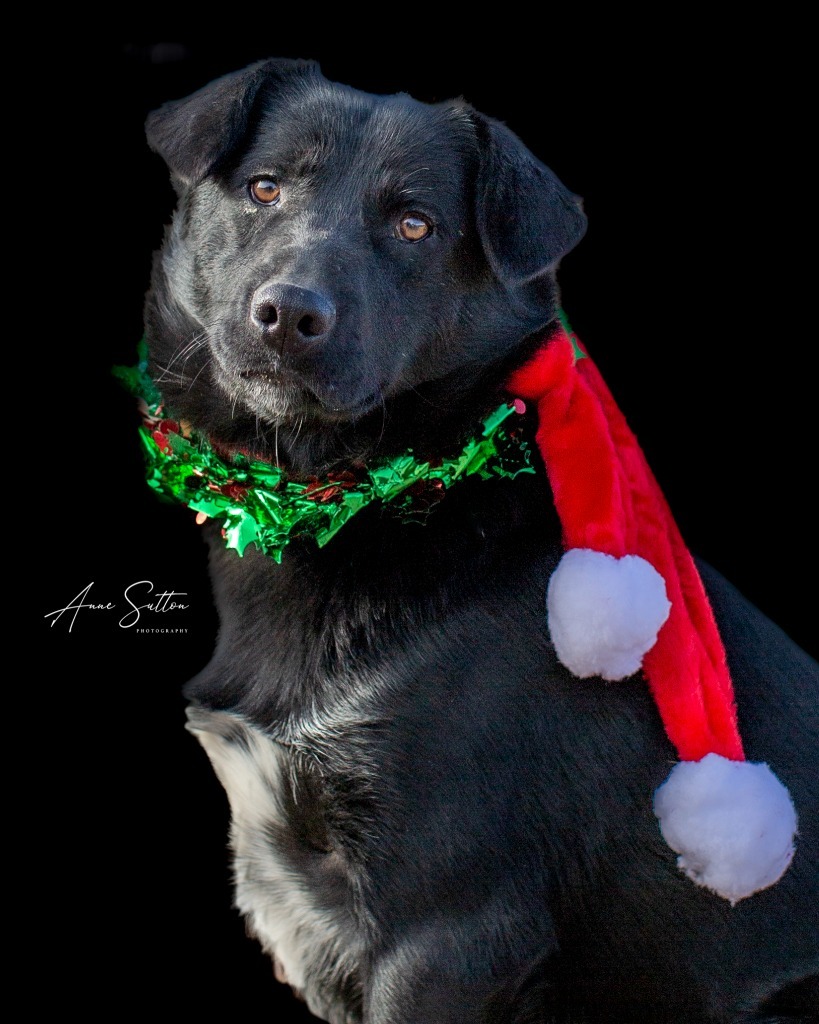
x=626, y=595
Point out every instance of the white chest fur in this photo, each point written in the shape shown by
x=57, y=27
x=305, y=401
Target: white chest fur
x=317, y=945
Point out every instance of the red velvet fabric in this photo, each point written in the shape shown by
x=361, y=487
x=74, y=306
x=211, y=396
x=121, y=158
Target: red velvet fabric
x=608, y=500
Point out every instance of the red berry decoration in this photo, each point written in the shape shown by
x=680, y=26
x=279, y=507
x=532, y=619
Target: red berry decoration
x=161, y=440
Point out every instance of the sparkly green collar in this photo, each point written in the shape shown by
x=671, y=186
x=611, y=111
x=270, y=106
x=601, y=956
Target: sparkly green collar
x=257, y=503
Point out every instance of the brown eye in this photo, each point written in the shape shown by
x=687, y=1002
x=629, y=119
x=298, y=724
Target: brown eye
x=265, y=191
x=413, y=227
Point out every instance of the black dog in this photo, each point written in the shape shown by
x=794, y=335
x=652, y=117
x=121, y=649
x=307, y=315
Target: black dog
x=433, y=821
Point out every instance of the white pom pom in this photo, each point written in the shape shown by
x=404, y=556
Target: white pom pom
x=605, y=612
x=732, y=822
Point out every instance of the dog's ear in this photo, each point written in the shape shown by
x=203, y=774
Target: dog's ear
x=193, y=135
x=526, y=217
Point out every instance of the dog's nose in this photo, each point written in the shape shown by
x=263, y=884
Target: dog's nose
x=292, y=317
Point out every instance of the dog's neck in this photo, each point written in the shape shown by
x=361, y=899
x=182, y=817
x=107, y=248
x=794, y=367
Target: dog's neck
x=258, y=502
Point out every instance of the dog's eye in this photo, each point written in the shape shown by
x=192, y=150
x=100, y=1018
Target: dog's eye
x=264, y=191
x=413, y=227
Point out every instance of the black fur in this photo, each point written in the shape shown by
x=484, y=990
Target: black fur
x=478, y=819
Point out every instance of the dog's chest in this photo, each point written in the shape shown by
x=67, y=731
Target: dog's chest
x=294, y=881
x=329, y=714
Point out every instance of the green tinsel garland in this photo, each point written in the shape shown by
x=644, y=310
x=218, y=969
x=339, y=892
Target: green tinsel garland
x=258, y=504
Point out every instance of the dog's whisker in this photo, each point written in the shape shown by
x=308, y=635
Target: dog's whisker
x=168, y=375
x=194, y=347
x=428, y=401
x=186, y=349
x=383, y=417
x=203, y=367
x=194, y=343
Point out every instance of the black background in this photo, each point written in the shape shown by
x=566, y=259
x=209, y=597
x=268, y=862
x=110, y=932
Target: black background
x=688, y=148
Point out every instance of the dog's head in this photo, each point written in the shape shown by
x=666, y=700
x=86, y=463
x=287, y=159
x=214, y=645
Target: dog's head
x=335, y=252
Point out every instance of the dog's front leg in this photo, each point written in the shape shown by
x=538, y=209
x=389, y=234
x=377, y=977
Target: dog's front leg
x=441, y=977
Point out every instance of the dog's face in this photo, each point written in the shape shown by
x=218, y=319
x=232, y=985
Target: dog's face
x=333, y=250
